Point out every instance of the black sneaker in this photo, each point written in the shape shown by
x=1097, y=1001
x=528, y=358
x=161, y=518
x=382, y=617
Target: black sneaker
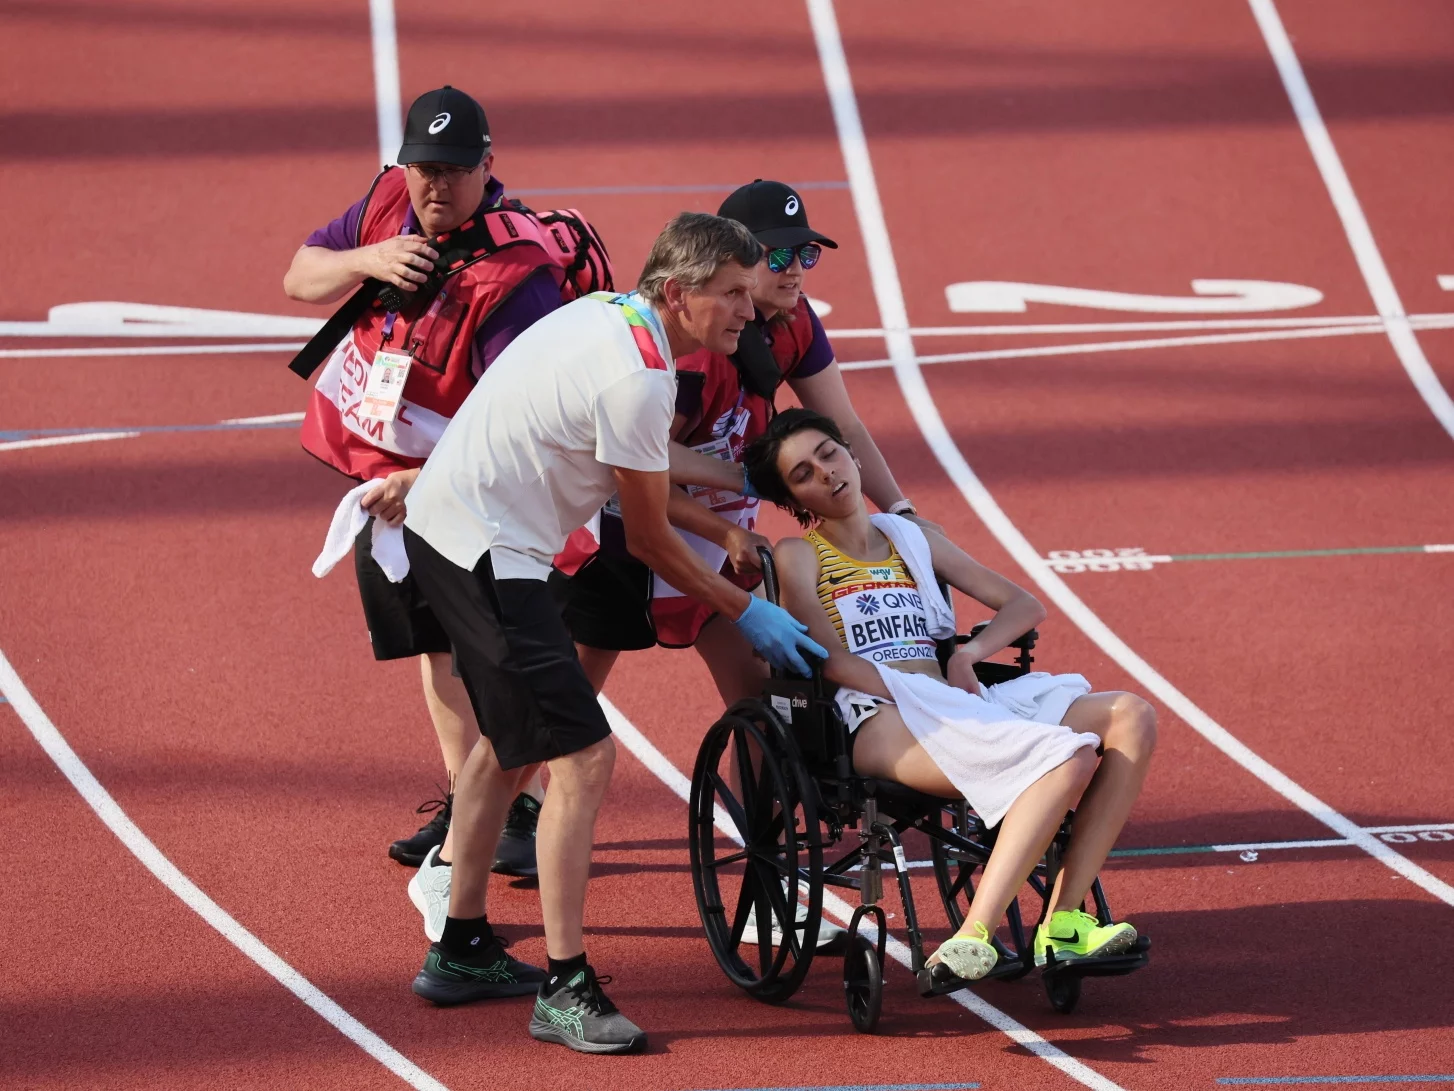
x=410, y=851
x=488, y=975
x=580, y=1015
x=516, y=854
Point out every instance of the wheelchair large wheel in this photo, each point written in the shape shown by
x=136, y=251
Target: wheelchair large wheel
x=764, y=862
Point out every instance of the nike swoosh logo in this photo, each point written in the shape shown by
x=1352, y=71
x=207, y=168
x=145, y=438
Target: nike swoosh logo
x=839, y=579
x=1074, y=937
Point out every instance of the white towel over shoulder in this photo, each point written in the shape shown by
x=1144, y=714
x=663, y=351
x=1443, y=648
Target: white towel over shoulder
x=908, y=538
x=348, y=519
x=988, y=750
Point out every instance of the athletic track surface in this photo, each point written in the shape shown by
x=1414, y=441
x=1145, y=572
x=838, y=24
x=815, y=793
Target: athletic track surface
x=158, y=617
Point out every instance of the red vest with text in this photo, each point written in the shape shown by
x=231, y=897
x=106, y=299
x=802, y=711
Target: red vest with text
x=439, y=336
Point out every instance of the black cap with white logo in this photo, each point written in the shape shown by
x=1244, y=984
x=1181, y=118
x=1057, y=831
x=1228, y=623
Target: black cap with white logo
x=445, y=126
x=774, y=213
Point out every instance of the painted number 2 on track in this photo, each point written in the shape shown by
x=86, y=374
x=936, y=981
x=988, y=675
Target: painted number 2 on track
x=1208, y=297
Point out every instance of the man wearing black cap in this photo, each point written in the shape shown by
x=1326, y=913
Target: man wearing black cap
x=448, y=341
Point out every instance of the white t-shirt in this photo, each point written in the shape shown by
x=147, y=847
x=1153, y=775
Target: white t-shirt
x=527, y=459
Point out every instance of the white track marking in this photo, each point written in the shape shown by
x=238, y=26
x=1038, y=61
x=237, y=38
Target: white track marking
x=387, y=101
x=274, y=418
x=1350, y=212
x=885, y=276
x=62, y=441
x=1058, y=328
x=148, y=350
x=1092, y=347
x=1447, y=283
x=660, y=765
x=109, y=319
x=167, y=873
x=1211, y=297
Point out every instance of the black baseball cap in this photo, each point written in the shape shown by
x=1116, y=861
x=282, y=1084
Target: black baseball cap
x=445, y=126
x=774, y=213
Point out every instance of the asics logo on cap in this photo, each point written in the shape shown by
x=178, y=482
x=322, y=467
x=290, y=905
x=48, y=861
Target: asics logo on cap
x=438, y=124
x=789, y=209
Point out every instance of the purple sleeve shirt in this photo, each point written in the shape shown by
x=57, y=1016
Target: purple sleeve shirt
x=535, y=298
x=340, y=234
x=820, y=350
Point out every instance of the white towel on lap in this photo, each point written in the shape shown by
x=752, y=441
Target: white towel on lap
x=348, y=520
x=986, y=749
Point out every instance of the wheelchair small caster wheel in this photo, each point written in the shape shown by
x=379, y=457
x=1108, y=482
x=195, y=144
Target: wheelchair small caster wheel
x=1063, y=990
x=863, y=983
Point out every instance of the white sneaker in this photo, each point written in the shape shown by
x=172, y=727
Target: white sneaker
x=429, y=891
x=828, y=932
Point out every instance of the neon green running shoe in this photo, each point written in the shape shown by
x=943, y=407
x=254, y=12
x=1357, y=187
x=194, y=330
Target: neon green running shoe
x=1072, y=933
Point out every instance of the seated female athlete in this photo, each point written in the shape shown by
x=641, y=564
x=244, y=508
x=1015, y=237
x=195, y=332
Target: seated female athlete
x=1022, y=753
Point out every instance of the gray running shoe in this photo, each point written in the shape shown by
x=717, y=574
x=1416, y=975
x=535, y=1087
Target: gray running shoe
x=448, y=979
x=580, y=1015
x=516, y=853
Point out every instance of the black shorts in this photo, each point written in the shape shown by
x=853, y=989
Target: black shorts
x=530, y=695
x=607, y=604
x=401, y=624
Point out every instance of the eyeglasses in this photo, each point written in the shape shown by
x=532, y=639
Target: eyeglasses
x=448, y=175
x=780, y=259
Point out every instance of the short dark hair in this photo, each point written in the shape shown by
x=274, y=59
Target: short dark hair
x=760, y=457
x=691, y=249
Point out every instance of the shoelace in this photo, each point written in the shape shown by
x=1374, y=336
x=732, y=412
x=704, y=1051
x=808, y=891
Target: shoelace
x=438, y=809
x=522, y=818
x=589, y=993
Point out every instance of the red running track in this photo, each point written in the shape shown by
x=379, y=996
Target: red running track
x=157, y=601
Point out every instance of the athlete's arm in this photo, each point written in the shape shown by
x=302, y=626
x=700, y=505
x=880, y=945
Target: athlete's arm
x=1016, y=610
x=741, y=545
x=319, y=274
x=797, y=572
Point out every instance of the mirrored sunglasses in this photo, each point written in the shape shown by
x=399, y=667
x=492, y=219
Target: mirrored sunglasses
x=781, y=258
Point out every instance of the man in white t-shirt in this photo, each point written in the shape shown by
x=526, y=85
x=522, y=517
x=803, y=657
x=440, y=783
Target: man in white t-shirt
x=579, y=407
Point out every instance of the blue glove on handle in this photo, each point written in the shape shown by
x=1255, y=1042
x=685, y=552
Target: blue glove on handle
x=780, y=637
x=747, y=489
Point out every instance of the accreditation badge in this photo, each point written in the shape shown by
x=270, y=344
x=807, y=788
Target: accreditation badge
x=385, y=386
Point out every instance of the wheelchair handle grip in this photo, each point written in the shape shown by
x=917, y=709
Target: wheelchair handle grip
x=769, y=574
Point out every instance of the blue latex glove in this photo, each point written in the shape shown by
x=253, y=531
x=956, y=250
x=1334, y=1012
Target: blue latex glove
x=778, y=636
x=747, y=489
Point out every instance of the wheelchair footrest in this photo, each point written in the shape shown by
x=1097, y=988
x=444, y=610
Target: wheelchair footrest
x=940, y=980
x=1104, y=965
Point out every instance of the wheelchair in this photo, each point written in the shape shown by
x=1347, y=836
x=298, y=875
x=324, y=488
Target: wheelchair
x=773, y=791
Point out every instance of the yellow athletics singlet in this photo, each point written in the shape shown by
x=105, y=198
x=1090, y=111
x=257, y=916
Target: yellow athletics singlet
x=875, y=605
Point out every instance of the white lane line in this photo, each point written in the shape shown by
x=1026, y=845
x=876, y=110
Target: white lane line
x=660, y=765
x=1119, y=327
x=61, y=441
x=170, y=876
x=1446, y=283
x=149, y=350
x=387, y=102
x=273, y=418
x=884, y=272
x=1145, y=343
x=1350, y=212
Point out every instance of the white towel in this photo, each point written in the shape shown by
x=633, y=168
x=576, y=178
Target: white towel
x=348, y=520
x=913, y=547
x=1039, y=695
x=987, y=752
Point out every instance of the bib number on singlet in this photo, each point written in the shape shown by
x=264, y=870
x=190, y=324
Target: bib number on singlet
x=885, y=624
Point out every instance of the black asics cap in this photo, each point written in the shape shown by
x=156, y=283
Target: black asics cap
x=445, y=126
x=774, y=214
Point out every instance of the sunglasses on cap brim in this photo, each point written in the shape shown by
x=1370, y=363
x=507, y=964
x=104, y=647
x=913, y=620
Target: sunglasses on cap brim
x=782, y=257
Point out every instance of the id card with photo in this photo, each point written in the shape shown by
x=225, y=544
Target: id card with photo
x=385, y=387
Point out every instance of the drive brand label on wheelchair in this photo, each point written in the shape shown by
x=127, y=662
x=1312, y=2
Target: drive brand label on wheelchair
x=885, y=622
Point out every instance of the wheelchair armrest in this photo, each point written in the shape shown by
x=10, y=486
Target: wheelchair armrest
x=1024, y=643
